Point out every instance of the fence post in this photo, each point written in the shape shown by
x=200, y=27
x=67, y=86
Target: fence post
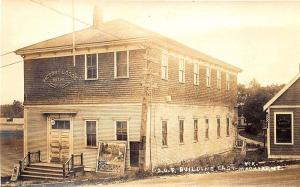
x=20, y=169
x=64, y=172
x=81, y=159
x=72, y=161
x=39, y=152
x=29, y=159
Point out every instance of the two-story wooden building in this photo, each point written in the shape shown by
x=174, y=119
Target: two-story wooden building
x=168, y=101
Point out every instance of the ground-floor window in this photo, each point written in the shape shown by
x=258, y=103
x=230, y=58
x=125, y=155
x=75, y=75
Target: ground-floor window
x=218, y=127
x=195, y=130
x=164, y=132
x=227, y=126
x=207, y=128
x=61, y=124
x=91, y=133
x=181, y=129
x=121, y=130
x=284, y=128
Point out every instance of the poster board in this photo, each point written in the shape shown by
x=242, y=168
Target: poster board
x=111, y=156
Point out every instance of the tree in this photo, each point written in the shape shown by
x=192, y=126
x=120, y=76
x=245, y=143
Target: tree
x=14, y=110
x=251, y=100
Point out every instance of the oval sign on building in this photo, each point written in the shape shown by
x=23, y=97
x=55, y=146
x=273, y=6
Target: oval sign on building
x=59, y=78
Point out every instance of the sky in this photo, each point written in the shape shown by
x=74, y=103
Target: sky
x=261, y=38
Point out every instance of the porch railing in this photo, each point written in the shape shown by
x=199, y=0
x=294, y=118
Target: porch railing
x=74, y=160
x=31, y=157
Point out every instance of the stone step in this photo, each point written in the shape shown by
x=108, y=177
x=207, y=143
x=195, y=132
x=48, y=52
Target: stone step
x=40, y=177
x=44, y=169
x=49, y=174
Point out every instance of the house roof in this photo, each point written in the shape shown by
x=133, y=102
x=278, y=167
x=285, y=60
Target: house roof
x=282, y=91
x=116, y=31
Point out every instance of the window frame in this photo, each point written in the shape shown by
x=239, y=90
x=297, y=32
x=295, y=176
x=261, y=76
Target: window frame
x=115, y=126
x=164, y=65
x=162, y=133
x=196, y=73
x=85, y=67
x=292, y=128
x=181, y=70
x=208, y=76
x=115, y=65
x=219, y=79
x=85, y=133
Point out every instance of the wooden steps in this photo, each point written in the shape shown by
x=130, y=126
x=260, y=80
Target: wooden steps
x=46, y=171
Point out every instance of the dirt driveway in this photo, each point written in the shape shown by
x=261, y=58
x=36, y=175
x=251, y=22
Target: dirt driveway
x=288, y=177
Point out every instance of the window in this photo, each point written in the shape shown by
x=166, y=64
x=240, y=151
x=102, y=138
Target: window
x=195, y=130
x=219, y=79
x=121, y=64
x=121, y=130
x=91, y=133
x=208, y=75
x=218, y=127
x=61, y=124
x=227, y=81
x=181, y=70
x=284, y=128
x=196, y=74
x=164, y=133
x=164, y=66
x=181, y=129
x=91, y=67
x=227, y=126
x=207, y=128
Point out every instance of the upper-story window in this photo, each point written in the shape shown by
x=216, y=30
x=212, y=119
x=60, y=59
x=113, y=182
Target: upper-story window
x=227, y=81
x=91, y=66
x=121, y=64
x=182, y=70
x=196, y=74
x=164, y=66
x=208, y=76
x=219, y=79
x=181, y=129
x=164, y=129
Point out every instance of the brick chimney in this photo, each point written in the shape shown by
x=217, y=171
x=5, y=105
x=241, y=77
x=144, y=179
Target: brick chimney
x=97, y=15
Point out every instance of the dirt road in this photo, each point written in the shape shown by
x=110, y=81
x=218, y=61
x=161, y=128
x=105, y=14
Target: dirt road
x=287, y=177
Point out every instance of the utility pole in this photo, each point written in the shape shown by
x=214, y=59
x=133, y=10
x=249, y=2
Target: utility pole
x=148, y=86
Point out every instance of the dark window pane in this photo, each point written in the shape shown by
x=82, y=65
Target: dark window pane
x=91, y=133
x=121, y=131
x=284, y=128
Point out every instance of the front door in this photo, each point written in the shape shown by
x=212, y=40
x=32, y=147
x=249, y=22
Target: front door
x=59, y=140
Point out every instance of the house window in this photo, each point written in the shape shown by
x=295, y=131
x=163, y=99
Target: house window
x=218, y=127
x=181, y=70
x=91, y=66
x=164, y=66
x=181, y=129
x=227, y=126
x=206, y=128
x=284, y=128
x=121, y=64
x=164, y=133
x=196, y=130
x=91, y=133
x=196, y=74
x=219, y=79
x=121, y=130
x=227, y=81
x=61, y=124
x=208, y=76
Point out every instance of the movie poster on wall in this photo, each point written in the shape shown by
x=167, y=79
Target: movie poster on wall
x=111, y=156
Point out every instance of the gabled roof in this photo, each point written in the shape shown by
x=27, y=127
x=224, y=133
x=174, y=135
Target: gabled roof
x=282, y=91
x=117, y=31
